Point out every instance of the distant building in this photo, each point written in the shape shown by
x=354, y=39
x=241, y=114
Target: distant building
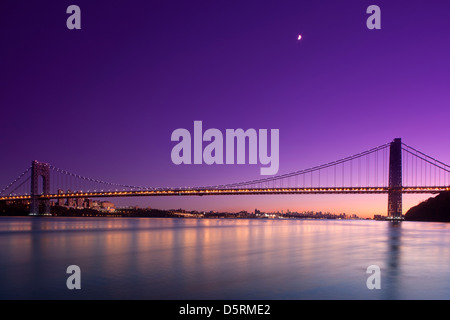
x=89, y=203
x=79, y=202
x=70, y=201
x=108, y=206
x=61, y=201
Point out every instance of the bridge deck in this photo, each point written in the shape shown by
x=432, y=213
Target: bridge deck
x=228, y=191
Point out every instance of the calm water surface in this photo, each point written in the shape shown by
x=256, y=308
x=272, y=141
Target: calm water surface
x=149, y=258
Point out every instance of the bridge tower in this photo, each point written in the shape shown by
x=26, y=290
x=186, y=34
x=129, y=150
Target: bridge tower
x=395, y=181
x=39, y=169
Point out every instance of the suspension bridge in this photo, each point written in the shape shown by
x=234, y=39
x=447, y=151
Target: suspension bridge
x=393, y=168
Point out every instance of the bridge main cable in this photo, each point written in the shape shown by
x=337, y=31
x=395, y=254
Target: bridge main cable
x=17, y=179
x=96, y=180
x=304, y=171
x=427, y=156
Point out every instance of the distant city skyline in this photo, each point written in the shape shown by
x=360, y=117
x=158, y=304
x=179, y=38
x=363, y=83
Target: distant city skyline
x=103, y=100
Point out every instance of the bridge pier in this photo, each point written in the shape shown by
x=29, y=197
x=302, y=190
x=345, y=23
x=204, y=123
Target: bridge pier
x=39, y=169
x=395, y=181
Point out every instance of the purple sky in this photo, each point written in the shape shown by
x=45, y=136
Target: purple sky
x=103, y=101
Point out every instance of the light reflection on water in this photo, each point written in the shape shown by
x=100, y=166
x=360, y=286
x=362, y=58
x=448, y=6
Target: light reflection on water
x=143, y=258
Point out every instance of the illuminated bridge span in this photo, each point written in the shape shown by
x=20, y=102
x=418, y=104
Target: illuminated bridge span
x=393, y=168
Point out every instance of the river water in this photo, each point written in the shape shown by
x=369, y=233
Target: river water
x=162, y=258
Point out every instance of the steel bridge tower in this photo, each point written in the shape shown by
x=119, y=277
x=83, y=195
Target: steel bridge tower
x=395, y=181
x=39, y=169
